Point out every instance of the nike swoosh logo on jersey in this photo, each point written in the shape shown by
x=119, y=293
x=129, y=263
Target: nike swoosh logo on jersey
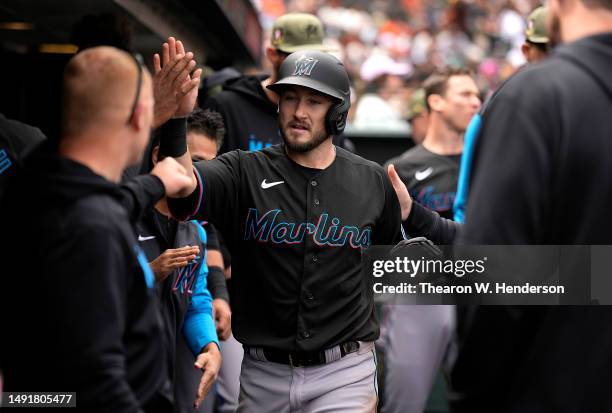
x=141, y=238
x=420, y=175
x=266, y=185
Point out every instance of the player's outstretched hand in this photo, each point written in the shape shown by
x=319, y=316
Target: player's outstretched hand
x=402, y=192
x=222, y=314
x=209, y=361
x=188, y=89
x=177, y=182
x=171, y=80
x=172, y=259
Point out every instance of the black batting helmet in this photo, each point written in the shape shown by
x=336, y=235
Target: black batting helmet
x=324, y=73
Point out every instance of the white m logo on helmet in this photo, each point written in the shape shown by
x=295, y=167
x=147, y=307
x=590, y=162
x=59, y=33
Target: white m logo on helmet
x=304, y=66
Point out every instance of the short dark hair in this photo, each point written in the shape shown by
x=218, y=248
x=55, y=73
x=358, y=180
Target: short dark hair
x=542, y=47
x=437, y=82
x=606, y=4
x=207, y=122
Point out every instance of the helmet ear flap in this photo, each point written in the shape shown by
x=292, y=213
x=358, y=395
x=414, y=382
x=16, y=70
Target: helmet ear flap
x=335, y=120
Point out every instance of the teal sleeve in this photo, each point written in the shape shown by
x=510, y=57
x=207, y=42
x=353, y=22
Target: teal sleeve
x=471, y=135
x=199, y=327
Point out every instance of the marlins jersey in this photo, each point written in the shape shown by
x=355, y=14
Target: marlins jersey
x=297, y=236
x=186, y=304
x=430, y=178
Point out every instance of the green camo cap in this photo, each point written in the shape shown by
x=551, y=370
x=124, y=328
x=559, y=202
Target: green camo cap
x=536, y=31
x=298, y=31
x=416, y=104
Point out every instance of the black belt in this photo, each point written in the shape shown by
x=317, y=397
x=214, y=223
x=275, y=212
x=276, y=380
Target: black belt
x=303, y=358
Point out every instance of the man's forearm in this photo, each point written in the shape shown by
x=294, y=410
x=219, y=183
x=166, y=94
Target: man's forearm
x=140, y=193
x=423, y=222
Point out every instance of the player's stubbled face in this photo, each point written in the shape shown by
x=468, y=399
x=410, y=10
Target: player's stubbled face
x=462, y=100
x=302, y=118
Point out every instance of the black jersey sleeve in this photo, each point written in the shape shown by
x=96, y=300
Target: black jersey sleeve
x=212, y=238
x=423, y=222
x=139, y=194
x=216, y=194
x=216, y=278
x=388, y=229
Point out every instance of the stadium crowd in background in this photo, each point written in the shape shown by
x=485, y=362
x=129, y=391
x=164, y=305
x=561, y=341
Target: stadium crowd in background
x=389, y=48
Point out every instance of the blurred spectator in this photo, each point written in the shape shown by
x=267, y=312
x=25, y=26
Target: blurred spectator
x=535, y=47
x=418, y=116
x=374, y=109
x=381, y=106
x=381, y=64
x=381, y=40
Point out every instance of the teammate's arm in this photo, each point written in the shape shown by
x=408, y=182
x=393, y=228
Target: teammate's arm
x=199, y=329
x=388, y=229
x=180, y=82
x=423, y=222
x=216, y=194
x=139, y=194
x=142, y=192
x=217, y=285
x=175, y=89
x=419, y=221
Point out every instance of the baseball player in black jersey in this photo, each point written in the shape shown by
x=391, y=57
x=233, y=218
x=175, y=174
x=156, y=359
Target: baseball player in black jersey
x=418, y=337
x=298, y=217
x=430, y=170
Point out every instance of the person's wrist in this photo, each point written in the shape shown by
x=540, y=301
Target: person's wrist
x=211, y=347
x=173, y=142
x=161, y=116
x=408, y=211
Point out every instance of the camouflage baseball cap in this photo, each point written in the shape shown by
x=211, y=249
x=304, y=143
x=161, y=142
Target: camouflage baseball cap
x=536, y=31
x=298, y=31
x=416, y=104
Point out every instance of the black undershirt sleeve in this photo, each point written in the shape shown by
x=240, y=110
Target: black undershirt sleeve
x=423, y=222
x=216, y=283
x=139, y=194
x=216, y=194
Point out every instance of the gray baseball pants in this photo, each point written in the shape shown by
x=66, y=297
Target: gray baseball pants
x=417, y=341
x=345, y=385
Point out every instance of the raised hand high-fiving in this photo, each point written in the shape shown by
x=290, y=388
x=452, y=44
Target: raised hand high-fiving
x=175, y=82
